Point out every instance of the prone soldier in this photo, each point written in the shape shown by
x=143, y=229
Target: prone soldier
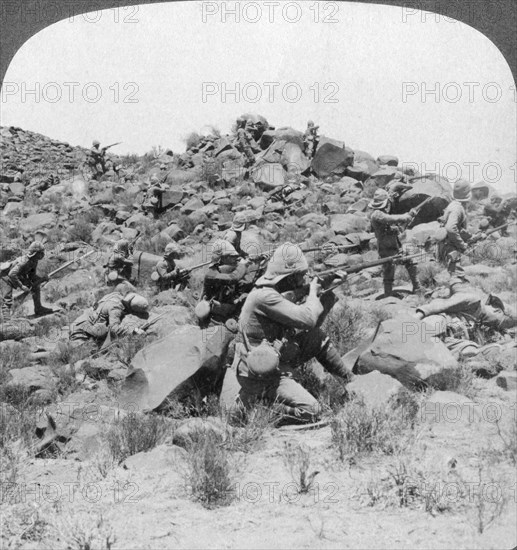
x=106, y=317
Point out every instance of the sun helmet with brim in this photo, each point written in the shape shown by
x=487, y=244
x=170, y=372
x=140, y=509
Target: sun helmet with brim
x=287, y=259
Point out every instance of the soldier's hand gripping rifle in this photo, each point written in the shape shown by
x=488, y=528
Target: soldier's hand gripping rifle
x=331, y=279
x=183, y=276
x=415, y=211
x=482, y=235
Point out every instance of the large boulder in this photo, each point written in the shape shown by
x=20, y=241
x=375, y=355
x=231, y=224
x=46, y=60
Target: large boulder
x=331, y=160
x=406, y=349
x=375, y=389
x=269, y=175
x=33, y=378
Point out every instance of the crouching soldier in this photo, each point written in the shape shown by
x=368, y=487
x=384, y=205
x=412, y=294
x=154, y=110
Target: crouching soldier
x=21, y=275
x=166, y=274
x=225, y=281
x=107, y=315
x=385, y=227
x=119, y=266
x=234, y=234
x=276, y=336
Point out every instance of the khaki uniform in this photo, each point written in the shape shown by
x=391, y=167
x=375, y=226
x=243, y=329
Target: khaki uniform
x=168, y=274
x=223, y=286
x=310, y=141
x=455, y=223
x=120, y=263
x=387, y=233
x=22, y=273
x=243, y=144
x=153, y=199
x=106, y=317
x=466, y=299
x=266, y=314
x=97, y=160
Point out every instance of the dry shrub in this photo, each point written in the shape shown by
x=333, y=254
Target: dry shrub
x=211, y=472
x=135, y=433
x=297, y=459
x=358, y=429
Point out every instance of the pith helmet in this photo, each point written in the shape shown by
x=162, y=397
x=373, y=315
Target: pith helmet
x=462, y=191
x=380, y=199
x=96, y=142
x=310, y=123
x=172, y=249
x=287, y=259
x=154, y=179
x=239, y=222
x=35, y=248
x=222, y=248
x=136, y=303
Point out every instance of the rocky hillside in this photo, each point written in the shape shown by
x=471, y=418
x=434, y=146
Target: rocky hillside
x=112, y=448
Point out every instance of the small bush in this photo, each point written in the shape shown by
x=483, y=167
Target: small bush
x=210, y=473
x=135, y=433
x=81, y=230
x=297, y=459
x=358, y=429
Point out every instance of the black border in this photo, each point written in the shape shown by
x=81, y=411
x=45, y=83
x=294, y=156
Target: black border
x=496, y=19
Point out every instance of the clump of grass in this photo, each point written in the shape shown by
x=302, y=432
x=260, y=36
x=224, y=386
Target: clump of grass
x=211, y=472
x=83, y=532
x=82, y=229
x=135, y=433
x=12, y=356
x=250, y=425
x=358, y=429
x=460, y=380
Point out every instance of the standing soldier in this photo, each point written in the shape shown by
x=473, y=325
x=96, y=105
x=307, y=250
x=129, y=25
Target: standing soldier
x=457, y=237
x=387, y=233
x=166, y=274
x=277, y=336
x=243, y=143
x=107, y=315
x=21, y=274
x=119, y=266
x=153, y=200
x=225, y=282
x=311, y=139
x=97, y=159
x=234, y=234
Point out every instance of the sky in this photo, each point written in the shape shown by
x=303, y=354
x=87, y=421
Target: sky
x=383, y=79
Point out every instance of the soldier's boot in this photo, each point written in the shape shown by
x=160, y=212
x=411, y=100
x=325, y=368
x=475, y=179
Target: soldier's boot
x=413, y=276
x=331, y=361
x=39, y=310
x=388, y=288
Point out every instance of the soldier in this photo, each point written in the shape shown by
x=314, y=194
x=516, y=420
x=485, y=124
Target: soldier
x=310, y=139
x=243, y=143
x=387, y=232
x=487, y=310
x=119, y=265
x=21, y=274
x=234, y=234
x=457, y=237
x=153, y=198
x=166, y=274
x=276, y=336
x=225, y=281
x=107, y=315
x=97, y=159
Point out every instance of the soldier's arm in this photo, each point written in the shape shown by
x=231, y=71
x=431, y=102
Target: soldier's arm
x=281, y=310
x=115, y=316
x=389, y=219
x=19, y=273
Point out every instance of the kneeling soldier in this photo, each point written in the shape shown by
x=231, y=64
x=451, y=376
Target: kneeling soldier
x=276, y=336
x=166, y=274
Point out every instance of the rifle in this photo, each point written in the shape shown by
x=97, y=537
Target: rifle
x=22, y=295
x=478, y=236
x=417, y=210
x=112, y=145
x=328, y=276
x=184, y=274
x=133, y=242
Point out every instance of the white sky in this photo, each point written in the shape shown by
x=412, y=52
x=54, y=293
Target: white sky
x=366, y=58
